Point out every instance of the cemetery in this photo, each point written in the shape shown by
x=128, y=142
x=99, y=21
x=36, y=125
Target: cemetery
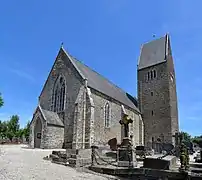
x=170, y=162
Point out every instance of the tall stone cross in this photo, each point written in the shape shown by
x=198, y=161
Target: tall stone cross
x=178, y=138
x=125, y=121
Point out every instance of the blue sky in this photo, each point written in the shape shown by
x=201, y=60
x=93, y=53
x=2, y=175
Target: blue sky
x=104, y=34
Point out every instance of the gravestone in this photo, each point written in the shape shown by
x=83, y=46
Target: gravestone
x=140, y=151
x=113, y=144
x=167, y=147
x=199, y=157
x=166, y=163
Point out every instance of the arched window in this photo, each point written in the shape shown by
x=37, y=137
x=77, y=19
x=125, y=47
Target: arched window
x=107, y=115
x=154, y=73
x=151, y=72
x=151, y=75
x=58, y=97
x=148, y=75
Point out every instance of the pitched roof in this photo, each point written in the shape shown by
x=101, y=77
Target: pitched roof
x=103, y=85
x=153, y=53
x=52, y=118
x=49, y=116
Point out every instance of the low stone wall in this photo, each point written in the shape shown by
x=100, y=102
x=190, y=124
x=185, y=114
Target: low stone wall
x=79, y=158
x=71, y=157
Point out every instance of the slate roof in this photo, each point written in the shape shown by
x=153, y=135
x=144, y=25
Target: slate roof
x=103, y=85
x=52, y=117
x=153, y=53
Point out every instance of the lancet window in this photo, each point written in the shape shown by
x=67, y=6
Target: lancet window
x=58, y=96
x=107, y=114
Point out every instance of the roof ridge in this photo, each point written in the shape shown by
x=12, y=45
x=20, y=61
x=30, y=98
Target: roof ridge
x=98, y=74
x=148, y=42
x=70, y=58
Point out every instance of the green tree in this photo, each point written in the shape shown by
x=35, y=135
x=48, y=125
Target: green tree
x=187, y=140
x=13, y=127
x=1, y=101
x=186, y=137
x=20, y=133
x=197, y=140
x=26, y=130
x=3, y=129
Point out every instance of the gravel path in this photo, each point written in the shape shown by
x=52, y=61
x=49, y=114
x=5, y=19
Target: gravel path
x=19, y=163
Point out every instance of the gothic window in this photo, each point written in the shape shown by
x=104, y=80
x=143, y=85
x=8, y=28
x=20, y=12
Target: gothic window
x=148, y=76
x=58, y=97
x=154, y=73
x=151, y=72
x=107, y=115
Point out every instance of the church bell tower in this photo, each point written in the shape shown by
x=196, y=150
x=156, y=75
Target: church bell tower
x=157, y=95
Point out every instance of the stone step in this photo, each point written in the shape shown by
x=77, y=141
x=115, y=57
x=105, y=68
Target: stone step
x=196, y=170
x=196, y=165
x=80, y=162
x=54, y=157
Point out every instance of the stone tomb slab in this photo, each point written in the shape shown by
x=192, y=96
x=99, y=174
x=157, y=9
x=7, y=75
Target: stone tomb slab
x=167, y=163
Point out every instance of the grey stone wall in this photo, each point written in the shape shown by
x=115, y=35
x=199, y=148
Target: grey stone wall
x=90, y=118
x=173, y=97
x=101, y=133
x=64, y=67
x=54, y=137
x=83, y=134
x=154, y=96
x=84, y=112
x=37, y=116
x=79, y=119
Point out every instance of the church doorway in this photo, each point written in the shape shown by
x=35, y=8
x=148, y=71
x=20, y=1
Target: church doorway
x=37, y=133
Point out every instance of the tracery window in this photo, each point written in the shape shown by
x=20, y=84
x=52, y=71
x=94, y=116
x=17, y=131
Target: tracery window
x=58, y=96
x=107, y=114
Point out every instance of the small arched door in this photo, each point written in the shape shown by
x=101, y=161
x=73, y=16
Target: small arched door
x=37, y=133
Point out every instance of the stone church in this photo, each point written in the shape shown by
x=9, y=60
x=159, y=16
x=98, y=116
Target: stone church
x=78, y=107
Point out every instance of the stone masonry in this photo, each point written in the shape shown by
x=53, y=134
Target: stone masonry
x=52, y=135
x=157, y=92
x=63, y=66
x=103, y=134
x=82, y=120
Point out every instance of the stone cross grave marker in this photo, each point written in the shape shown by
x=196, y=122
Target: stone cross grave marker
x=125, y=121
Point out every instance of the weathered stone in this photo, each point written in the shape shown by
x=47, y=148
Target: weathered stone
x=113, y=144
x=157, y=96
x=83, y=115
x=167, y=163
